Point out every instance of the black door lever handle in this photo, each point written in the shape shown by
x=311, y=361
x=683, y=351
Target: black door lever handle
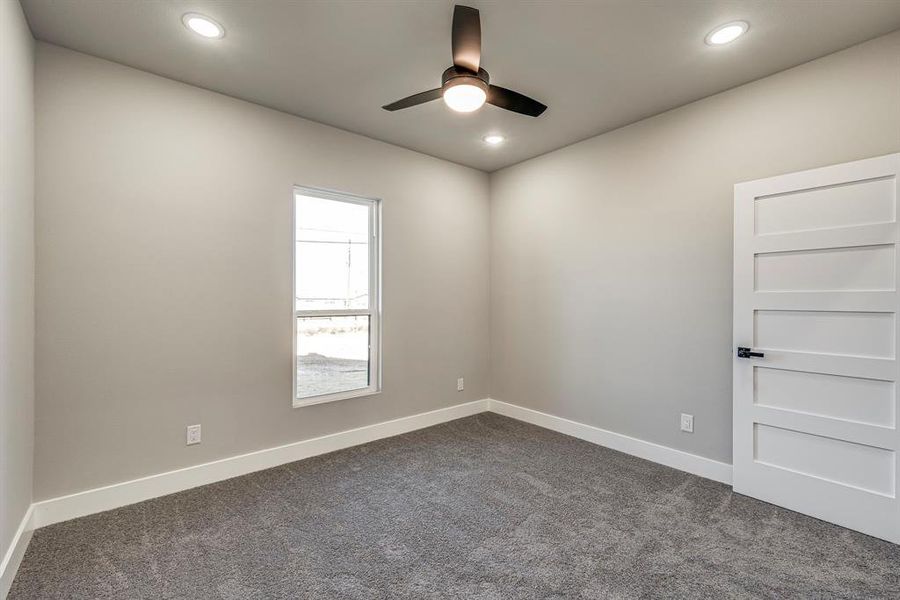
x=748, y=353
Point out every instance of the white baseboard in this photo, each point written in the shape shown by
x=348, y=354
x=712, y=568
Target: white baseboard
x=88, y=502
x=13, y=557
x=664, y=455
x=113, y=496
x=117, y=495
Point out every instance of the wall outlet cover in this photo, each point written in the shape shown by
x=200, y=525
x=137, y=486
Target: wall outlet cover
x=193, y=435
x=687, y=423
x=460, y=384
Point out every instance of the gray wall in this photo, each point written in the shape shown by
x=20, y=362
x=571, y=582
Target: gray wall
x=164, y=274
x=611, y=259
x=16, y=268
x=164, y=241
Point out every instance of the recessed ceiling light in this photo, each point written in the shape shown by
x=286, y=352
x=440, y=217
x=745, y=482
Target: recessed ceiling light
x=493, y=139
x=726, y=33
x=203, y=25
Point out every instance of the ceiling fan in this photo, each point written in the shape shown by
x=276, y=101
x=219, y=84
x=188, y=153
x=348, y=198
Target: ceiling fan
x=465, y=86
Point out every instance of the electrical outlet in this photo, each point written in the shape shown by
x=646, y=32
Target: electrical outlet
x=193, y=435
x=687, y=423
x=460, y=384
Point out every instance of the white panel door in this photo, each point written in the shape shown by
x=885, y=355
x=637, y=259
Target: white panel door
x=815, y=307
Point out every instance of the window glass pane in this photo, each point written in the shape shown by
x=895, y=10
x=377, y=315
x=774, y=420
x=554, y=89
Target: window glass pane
x=332, y=355
x=332, y=260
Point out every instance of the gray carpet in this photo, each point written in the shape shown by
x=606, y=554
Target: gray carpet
x=483, y=507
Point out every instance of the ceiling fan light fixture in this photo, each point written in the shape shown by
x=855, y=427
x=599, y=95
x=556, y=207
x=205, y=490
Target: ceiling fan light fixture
x=466, y=95
x=466, y=86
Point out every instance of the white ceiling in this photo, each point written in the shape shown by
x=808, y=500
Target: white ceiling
x=598, y=65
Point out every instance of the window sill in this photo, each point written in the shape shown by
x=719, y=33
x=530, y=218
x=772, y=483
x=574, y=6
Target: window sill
x=312, y=400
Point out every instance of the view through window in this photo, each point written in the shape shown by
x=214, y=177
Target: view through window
x=335, y=295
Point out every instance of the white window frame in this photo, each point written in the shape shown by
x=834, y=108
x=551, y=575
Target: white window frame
x=373, y=311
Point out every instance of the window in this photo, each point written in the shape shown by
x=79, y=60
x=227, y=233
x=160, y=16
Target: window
x=336, y=296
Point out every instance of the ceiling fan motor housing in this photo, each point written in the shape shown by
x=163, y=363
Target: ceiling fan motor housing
x=457, y=76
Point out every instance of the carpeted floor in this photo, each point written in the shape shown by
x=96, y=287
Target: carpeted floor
x=483, y=507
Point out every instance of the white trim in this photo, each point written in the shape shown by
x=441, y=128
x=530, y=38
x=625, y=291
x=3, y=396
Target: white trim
x=16, y=551
x=664, y=455
x=116, y=495
x=341, y=312
x=323, y=398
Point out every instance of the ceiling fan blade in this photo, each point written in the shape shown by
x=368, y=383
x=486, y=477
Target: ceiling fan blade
x=466, y=38
x=514, y=101
x=414, y=100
